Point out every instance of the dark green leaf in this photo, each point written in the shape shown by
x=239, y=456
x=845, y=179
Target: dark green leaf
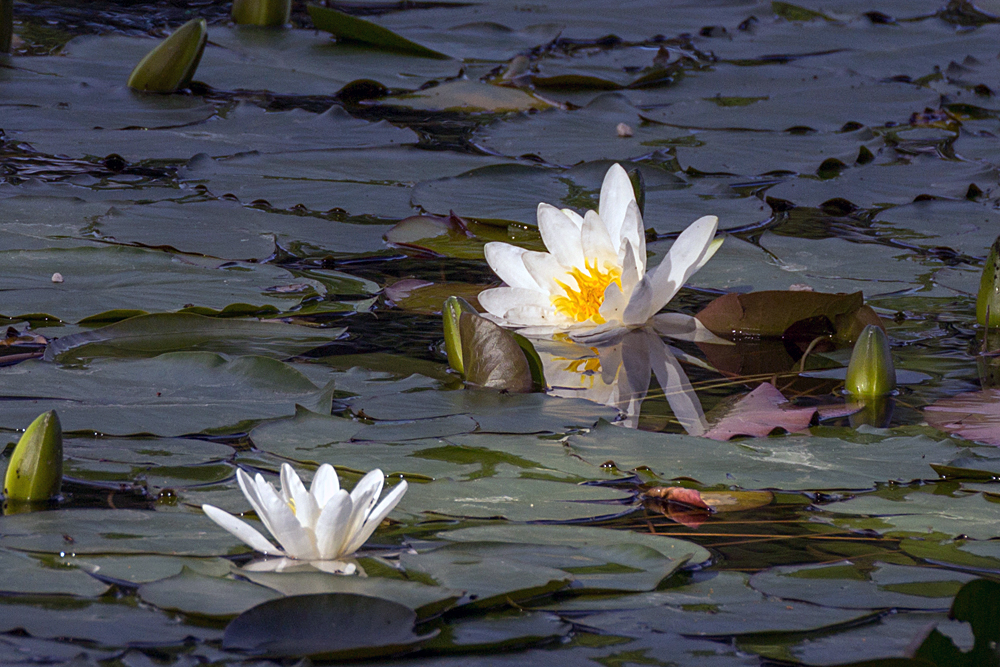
x=351, y=28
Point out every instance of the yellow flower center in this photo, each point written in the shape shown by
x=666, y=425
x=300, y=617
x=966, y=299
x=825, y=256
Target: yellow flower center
x=584, y=303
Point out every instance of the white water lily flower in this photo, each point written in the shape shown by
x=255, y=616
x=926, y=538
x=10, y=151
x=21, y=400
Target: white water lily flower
x=593, y=278
x=319, y=525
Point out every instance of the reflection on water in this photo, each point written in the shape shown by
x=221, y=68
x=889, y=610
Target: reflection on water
x=617, y=373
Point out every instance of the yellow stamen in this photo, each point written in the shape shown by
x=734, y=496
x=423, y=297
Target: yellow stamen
x=584, y=303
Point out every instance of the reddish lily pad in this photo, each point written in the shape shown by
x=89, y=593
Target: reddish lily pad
x=760, y=412
x=789, y=314
x=974, y=415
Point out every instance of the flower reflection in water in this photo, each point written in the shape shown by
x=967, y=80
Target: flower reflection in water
x=617, y=374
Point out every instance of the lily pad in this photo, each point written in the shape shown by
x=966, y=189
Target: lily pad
x=199, y=595
x=151, y=335
x=327, y=625
x=973, y=515
x=973, y=415
x=27, y=574
x=467, y=97
x=193, y=391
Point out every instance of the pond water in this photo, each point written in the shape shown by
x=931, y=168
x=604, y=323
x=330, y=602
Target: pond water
x=252, y=274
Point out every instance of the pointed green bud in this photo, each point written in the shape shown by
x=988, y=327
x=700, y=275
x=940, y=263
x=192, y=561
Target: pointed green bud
x=639, y=188
x=451, y=312
x=6, y=25
x=36, y=466
x=870, y=372
x=492, y=357
x=988, y=303
x=267, y=13
x=171, y=65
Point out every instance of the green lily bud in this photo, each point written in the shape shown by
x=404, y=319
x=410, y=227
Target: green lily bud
x=267, y=13
x=988, y=302
x=6, y=25
x=36, y=466
x=452, y=311
x=870, y=372
x=171, y=65
x=492, y=356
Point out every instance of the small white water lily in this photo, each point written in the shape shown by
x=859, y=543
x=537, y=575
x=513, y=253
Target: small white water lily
x=593, y=278
x=319, y=525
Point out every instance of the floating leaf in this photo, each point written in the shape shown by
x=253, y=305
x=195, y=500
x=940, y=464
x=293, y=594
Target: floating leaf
x=271, y=13
x=790, y=12
x=427, y=298
x=149, y=335
x=796, y=314
x=468, y=97
x=677, y=494
x=760, y=412
x=200, y=595
x=35, y=470
x=171, y=65
x=492, y=357
x=324, y=626
x=974, y=415
x=353, y=29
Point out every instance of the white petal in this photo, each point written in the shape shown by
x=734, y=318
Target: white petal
x=324, y=484
x=596, y=241
x=632, y=271
x=375, y=518
x=678, y=391
x=613, y=306
x=573, y=216
x=545, y=269
x=306, y=509
x=499, y=300
x=710, y=253
x=505, y=260
x=298, y=542
x=560, y=235
x=331, y=528
x=240, y=529
x=249, y=488
x=616, y=194
x=685, y=327
x=660, y=285
x=633, y=232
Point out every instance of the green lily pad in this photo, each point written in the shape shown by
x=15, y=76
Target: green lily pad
x=423, y=599
x=973, y=515
x=327, y=625
x=95, y=531
x=143, y=569
x=200, y=595
x=467, y=97
x=26, y=574
x=193, y=391
x=791, y=462
x=151, y=335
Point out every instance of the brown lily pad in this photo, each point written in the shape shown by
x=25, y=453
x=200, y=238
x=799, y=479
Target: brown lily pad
x=974, y=415
x=789, y=314
x=760, y=412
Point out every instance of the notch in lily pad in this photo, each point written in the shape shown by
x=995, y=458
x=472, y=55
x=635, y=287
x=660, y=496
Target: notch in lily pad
x=171, y=65
x=486, y=354
x=35, y=471
x=353, y=29
x=264, y=13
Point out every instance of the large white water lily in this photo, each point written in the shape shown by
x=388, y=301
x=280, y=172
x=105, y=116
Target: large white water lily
x=616, y=373
x=593, y=279
x=320, y=525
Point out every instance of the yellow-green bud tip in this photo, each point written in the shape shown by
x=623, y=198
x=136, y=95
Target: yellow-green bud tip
x=452, y=311
x=268, y=13
x=870, y=372
x=36, y=466
x=988, y=302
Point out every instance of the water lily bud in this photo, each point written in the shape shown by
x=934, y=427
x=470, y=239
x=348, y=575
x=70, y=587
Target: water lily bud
x=988, y=302
x=639, y=188
x=870, y=372
x=268, y=13
x=492, y=357
x=171, y=65
x=452, y=311
x=36, y=466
